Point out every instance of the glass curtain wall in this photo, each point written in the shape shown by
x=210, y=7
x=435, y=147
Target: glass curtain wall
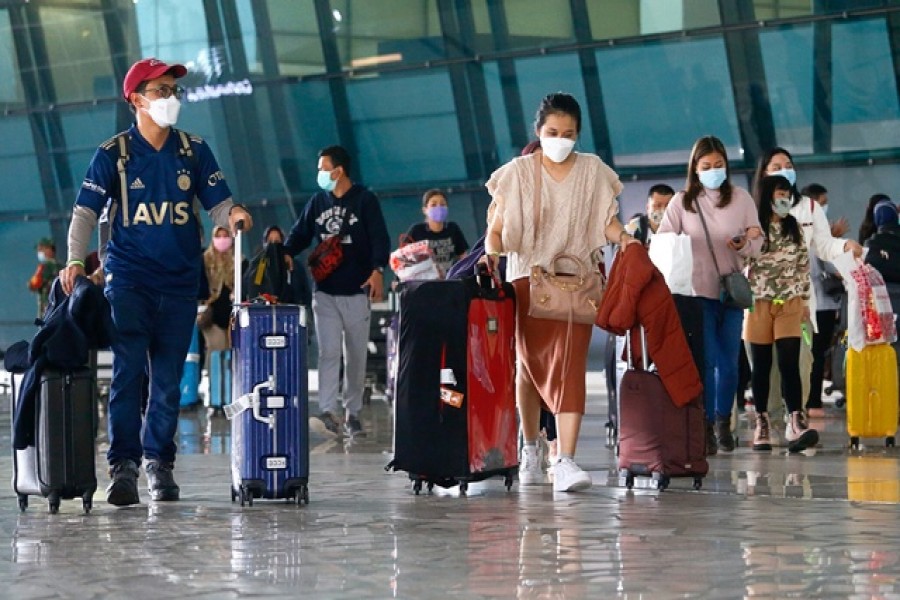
x=439, y=93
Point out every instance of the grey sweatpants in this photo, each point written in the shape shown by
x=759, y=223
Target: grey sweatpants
x=342, y=327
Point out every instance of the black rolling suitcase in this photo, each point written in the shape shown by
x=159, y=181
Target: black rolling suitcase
x=455, y=417
x=690, y=311
x=61, y=463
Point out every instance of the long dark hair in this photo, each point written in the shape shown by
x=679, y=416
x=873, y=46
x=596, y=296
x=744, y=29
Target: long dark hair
x=705, y=145
x=867, y=228
x=761, y=165
x=765, y=193
x=558, y=103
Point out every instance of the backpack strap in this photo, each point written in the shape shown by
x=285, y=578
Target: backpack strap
x=186, y=151
x=644, y=227
x=121, y=166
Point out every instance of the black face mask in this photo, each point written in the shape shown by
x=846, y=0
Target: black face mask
x=275, y=244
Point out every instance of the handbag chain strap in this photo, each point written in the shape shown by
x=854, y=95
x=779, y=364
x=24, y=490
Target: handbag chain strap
x=708, y=240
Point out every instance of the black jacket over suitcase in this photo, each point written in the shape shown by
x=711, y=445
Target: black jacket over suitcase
x=54, y=405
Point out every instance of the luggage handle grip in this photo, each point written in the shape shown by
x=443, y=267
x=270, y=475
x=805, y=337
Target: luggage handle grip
x=644, y=360
x=238, y=275
x=251, y=401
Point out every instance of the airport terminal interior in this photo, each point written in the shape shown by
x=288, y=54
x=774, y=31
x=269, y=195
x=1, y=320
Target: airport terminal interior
x=763, y=525
x=439, y=94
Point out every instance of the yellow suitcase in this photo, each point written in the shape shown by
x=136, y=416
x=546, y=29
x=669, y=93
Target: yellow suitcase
x=873, y=405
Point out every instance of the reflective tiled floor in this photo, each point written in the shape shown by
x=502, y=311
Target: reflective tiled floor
x=763, y=526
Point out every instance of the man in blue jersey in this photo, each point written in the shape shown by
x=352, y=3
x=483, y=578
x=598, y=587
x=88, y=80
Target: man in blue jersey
x=341, y=302
x=145, y=181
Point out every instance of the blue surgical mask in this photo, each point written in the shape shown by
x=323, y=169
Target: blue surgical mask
x=789, y=174
x=325, y=181
x=712, y=179
x=438, y=214
x=782, y=206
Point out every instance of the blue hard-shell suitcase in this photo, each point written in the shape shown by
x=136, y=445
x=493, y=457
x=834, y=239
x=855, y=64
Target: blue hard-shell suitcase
x=190, y=378
x=219, y=379
x=269, y=431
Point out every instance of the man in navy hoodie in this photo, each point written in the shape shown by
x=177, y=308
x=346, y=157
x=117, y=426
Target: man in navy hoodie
x=341, y=302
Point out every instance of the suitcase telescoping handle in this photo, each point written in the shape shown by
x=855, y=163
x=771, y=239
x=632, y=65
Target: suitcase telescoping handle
x=238, y=276
x=489, y=279
x=644, y=361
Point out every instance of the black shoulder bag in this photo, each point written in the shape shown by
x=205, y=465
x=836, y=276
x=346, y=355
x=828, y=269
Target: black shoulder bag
x=736, y=292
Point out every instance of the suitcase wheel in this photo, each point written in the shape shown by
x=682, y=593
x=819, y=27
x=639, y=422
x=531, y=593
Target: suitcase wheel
x=662, y=482
x=417, y=486
x=463, y=488
x=840, y=402
x=233, y=495
x=508, y=481
x=629, y=478
x=23, y=502
x=246, y=496
x=430, y=487
x=889, y=441
x=53, y=503
x=698, y=483
x=301, y=495
x=854, y=443
x=87, y=504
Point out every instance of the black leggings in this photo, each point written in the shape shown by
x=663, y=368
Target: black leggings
x=788, y=365
x=826, y=320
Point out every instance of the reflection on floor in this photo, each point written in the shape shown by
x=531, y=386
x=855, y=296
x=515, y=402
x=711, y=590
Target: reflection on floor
x=766, y=525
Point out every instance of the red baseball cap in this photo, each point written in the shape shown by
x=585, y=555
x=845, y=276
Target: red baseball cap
x=146, y=69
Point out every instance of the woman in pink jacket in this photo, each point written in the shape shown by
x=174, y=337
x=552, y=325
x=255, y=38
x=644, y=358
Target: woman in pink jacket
x=734, y=234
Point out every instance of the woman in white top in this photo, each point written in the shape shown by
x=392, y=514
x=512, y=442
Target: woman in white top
x=578, y=215
x=819, y=242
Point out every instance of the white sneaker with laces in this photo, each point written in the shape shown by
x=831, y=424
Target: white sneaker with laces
x=530, y=472
x=569, y=477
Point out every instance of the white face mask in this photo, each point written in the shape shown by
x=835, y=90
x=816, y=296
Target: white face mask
x=164, y=111
x=41, y=256
x=656, y=216
x=824, y=209
x=557, y=149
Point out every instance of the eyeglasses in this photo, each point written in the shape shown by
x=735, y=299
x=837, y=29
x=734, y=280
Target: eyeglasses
x=164, y=91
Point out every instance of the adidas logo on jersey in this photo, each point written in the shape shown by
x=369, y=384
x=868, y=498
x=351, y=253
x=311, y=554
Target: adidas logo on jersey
x=137, y=184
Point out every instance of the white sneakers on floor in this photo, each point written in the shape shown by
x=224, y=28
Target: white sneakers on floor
x=569, y=477
x=530, y=471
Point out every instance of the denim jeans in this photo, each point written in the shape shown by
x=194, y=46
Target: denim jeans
x=721, y=347
x=153, y=332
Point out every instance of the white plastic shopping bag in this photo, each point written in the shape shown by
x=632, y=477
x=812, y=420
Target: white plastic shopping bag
x=414, y=260
x=671, y=253
x=870, y=318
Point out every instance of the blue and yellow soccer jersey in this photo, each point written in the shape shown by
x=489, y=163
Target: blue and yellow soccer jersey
x=159, y=246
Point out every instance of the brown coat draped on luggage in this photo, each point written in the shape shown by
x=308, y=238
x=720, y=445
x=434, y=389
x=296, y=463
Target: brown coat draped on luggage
x=637, y=294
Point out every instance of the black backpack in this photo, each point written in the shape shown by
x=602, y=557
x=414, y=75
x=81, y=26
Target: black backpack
x=267, y=276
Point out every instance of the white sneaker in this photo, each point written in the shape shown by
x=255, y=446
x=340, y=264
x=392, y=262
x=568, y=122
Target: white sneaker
x=530, y=472
x=569, y=477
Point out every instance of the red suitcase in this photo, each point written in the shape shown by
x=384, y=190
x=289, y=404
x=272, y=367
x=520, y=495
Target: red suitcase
x=656, y=438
